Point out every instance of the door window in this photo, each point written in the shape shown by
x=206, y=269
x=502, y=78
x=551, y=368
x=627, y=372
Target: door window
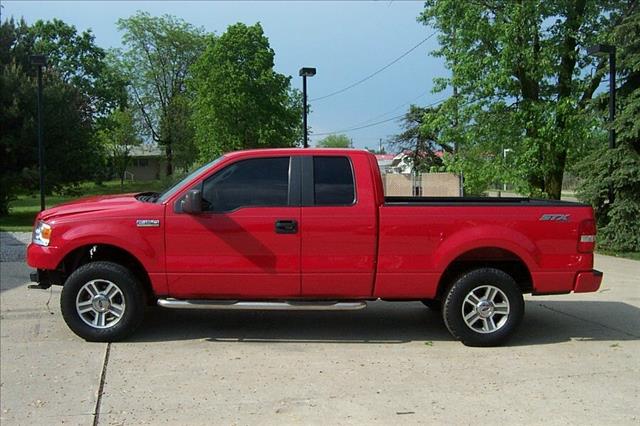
x=333, y=181
x=249, y=183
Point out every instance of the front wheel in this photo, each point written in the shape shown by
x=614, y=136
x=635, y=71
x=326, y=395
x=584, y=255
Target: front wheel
x=483, y=308
x=102, y=302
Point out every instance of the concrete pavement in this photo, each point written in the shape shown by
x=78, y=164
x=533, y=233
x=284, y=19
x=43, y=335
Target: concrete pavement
x=575, y=360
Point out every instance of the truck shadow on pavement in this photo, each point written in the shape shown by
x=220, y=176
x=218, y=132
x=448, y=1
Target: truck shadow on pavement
x=545, y=322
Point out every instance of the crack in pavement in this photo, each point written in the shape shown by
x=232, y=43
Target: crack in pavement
x=103, y=375
x=589, y=321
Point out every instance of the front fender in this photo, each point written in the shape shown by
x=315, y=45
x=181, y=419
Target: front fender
x=145, y=244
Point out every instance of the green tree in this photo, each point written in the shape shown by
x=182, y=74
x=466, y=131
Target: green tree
x=618, y=222
x=72, y=56
x=71, y=153
x=335, y=141
x=78, y=88
x=239, y=101
x=179, y=125
x=118, y=136
x=522, y=82
x=419, y=139
x=157, y=57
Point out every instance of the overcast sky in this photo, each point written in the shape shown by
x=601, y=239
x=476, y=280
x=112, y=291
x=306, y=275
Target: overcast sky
x=345, y=41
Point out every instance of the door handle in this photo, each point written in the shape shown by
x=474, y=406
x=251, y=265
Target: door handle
x=286, y=226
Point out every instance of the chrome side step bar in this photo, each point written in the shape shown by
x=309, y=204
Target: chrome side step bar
x=262, y=305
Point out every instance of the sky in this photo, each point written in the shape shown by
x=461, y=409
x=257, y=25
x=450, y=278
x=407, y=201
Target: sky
x=344, y=41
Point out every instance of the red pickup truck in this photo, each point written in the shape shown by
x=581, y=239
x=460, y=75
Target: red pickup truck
x=307, y=229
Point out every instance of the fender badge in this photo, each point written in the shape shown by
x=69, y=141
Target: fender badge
x=148, y=223
x=555, y=217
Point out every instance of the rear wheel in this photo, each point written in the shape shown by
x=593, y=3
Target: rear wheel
x=102, y=302
x=483, y=308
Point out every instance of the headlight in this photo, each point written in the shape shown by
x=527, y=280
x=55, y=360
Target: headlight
x=42, y=234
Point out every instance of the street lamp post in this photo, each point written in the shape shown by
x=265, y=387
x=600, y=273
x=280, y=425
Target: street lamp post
x=40, y=61
x=602, y=50
x=304, y=73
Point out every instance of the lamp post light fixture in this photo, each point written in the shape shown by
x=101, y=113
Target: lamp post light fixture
x=40, y=61
x=304, y=73
x=602, y=50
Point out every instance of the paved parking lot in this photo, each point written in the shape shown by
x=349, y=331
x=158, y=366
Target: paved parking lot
x=576, y=360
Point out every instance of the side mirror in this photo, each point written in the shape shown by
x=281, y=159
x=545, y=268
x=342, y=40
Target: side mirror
x=192, y=202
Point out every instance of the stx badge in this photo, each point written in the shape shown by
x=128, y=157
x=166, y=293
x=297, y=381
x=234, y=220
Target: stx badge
x=555, y=217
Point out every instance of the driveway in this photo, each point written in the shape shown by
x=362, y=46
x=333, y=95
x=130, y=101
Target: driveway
x=575, y=359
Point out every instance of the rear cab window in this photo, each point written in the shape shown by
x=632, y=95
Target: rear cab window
x=333, y=183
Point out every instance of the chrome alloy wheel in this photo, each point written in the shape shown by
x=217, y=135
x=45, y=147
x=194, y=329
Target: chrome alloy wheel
x=100, y=304
x=485, y=309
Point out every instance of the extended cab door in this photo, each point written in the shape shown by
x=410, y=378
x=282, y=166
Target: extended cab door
x=246, y=242
x=339, y=226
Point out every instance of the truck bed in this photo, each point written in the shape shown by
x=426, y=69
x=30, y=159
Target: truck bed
x=478, y=201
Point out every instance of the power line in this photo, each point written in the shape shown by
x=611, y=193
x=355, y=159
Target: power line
x=358, y=128
x=352, y=129
x=344, y=89
x=392, y=110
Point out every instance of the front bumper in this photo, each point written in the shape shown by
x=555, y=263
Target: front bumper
x=587, y=281
x=43, y=257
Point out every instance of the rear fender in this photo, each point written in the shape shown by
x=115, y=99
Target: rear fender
x=486, y=236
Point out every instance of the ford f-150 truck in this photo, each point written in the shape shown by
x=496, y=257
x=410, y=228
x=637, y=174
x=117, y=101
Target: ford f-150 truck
x=305, y=229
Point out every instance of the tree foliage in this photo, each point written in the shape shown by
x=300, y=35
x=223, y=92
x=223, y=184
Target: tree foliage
x=522, y=82
x=618, y=222
x=418, y=139
x=158, y=55
x=239, y=101
x=78, y=88
x=118, y=135
x=335, y=141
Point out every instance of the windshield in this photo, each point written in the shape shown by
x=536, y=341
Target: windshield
x=178, y=185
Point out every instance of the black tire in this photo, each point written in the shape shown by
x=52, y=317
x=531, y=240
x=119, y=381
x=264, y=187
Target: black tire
x=128, y=292
x=433, y=304
x=497, y=327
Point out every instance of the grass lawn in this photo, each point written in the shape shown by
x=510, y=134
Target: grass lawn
x=22, y=212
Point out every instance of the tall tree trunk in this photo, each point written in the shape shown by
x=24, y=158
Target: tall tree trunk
x=169, y=154
x=553, y=179
x=575, y=16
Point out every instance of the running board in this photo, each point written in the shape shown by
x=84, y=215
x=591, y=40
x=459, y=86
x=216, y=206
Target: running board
x=262, y=305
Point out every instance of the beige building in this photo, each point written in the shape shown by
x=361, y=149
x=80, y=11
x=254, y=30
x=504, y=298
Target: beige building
x=425, y=185
x=147, y=163
x=398, y=179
